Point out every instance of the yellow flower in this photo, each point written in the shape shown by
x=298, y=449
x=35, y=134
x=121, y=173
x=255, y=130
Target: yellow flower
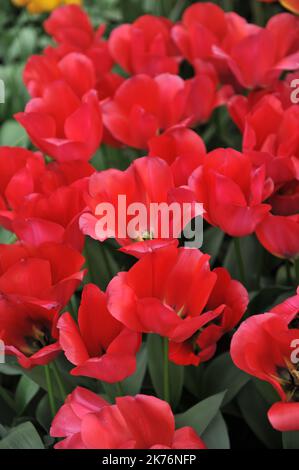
x=292, y=5
x=40, y=6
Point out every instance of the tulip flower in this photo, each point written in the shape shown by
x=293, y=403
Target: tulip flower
x=263, y=347
x=145, y=46
x=232, y=191
x=41, y=275
x=29, y=331
x=142, y=106
x=75, y=69
x=146, y=182
x=99, y=346
x=181, y=148
x=230, y=44
x=52, y=218
x=20, y=169
x=41, y=202
x=72, y=30
x=270, y=139
x=159, y=294
x=87, y=421
x=58, y=130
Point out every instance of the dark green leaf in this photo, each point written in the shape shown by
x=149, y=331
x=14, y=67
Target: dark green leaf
x=23, y=436
x=155, y=363
x=254, y=409
x=216, y=435
x=290, y=440
x=202, y=414
x=26, y=391
x=212, y=241
x=221, y=374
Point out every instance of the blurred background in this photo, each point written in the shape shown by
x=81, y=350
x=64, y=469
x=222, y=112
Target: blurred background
x=22, y=35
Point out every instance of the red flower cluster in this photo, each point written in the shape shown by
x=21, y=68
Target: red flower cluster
x=50, y=201
x=167, y=301
x=263, y=347
x=86, y=421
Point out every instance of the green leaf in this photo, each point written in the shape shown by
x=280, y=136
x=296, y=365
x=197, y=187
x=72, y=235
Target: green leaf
x=254, y=409
x=23, y=436
x=193, y=379
x=100, y=263
x=155, y=364
x=290, y=440
x=268, y=297
x=212, y=241
x=5, y=236
x=202, y=414
x=216, y=435
x=25, y=392
x=11, y=133
x=269, y=393
x=132, y=385
x=43, y=413
x=7, y=398
x=221, y=374
x=251, y=252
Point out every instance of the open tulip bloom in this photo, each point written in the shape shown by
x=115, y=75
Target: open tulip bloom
x=149, y=225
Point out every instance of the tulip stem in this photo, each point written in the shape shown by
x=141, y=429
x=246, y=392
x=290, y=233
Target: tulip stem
x=240, y=260
x=296, y=262
x=61, y=387
x=166, y=370
x=119, y=389
x=50, y=390
x=228, y=5
x=258, y=13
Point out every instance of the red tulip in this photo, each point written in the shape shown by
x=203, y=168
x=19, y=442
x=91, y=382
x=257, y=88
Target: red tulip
x=202, y=346
x=145, y=46
x=20, y=169
x=230, y=44
x=280, y=235
x=269, y=134
x=206, y=30
x=270, y=139
x=86, y=421
x=273, y=50
x=75, y=69
x=57, y=175
x=203, y=25
x=58, y=130
x=143, y=105
x=159, y=294
x=182, y=149
x=146, y=181
x=52, y=218
x=71, y=28
x=263, y=347
x=99, y=346
x=39, y=275
x=232, y=191
x=29, y=331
